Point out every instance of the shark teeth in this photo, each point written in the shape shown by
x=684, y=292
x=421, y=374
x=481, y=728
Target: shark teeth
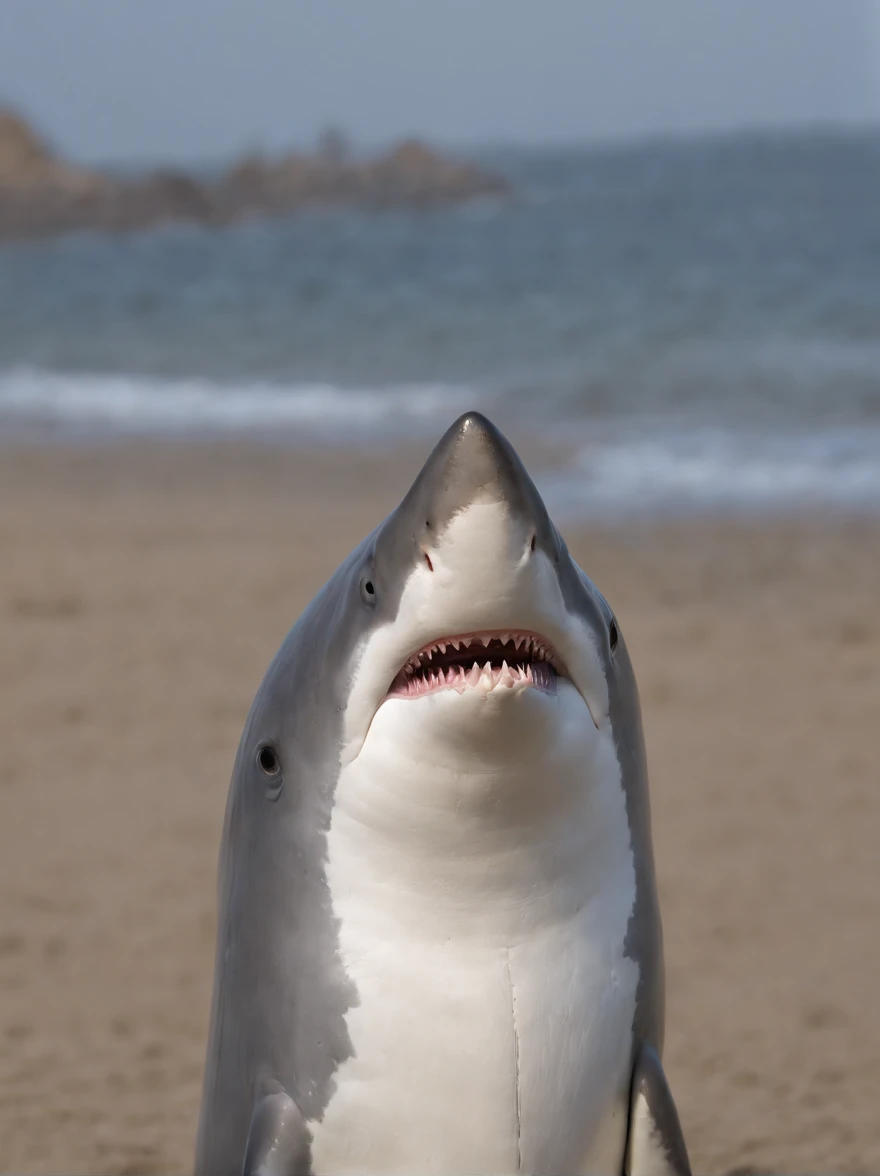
x=536, y=647
x=484, y=660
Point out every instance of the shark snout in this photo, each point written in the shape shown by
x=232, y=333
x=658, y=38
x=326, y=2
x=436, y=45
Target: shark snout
x=475, y=466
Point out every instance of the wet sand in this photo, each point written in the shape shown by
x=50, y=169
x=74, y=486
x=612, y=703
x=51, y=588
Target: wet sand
x=143, y=591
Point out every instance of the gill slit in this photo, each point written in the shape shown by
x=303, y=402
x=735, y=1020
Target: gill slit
x=517, y=1104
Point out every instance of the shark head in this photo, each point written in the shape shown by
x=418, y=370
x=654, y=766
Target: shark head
x=460, y=641
x=481, y=640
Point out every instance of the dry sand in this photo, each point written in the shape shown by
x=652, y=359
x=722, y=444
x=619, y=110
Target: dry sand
x=142, y=593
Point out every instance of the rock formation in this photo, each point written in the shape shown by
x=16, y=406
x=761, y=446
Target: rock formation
x=41, y=194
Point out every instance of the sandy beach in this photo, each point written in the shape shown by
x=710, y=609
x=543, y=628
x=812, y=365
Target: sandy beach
x=143, y=591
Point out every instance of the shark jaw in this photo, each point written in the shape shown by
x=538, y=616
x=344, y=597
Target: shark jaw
x=480, y=661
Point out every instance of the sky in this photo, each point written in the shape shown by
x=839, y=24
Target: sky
x=177, y=80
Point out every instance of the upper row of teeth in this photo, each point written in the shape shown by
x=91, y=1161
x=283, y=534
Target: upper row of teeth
x=520, y=641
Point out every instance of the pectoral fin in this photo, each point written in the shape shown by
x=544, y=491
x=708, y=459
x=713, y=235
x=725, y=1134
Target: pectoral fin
x=655, y=1144
x=279, y=1142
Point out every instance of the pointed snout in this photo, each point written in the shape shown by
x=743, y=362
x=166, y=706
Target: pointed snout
x=475, y=463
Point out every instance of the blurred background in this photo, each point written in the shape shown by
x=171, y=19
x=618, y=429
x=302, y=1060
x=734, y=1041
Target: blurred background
x=254, y=259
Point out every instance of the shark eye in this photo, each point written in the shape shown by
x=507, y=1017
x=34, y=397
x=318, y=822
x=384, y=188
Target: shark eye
x=268, y=760
x=613, y=635
x=368, y=590
x=270, y=765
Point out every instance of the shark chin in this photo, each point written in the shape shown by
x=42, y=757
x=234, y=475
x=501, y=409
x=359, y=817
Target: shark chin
x=498, y=752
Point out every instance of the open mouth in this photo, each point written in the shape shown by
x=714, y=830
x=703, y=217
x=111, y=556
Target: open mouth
x=481, y=661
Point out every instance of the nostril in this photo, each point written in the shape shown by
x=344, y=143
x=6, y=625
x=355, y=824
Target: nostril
x=428, y=562
x=534, y=541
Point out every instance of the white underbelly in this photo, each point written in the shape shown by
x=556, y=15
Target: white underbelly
x=482, y=1057
x=482, y=910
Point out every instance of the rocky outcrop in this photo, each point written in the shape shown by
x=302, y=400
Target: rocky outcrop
x=27, y=165
x=41, y=194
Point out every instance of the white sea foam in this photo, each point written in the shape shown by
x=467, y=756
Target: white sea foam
x=626, y=467
x=134, y=404
x=720, y=469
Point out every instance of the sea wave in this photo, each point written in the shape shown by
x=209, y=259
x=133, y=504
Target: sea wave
x=720, y=469
x=626, y=465
x=134, y=404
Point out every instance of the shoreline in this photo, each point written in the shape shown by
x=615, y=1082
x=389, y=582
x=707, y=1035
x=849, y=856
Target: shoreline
x=308, y=461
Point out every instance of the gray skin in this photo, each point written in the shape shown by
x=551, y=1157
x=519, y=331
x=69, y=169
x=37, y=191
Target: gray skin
x=278, y=1018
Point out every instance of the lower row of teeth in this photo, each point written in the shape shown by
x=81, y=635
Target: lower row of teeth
x=457, y=678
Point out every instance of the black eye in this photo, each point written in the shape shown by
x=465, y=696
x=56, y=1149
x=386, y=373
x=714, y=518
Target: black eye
x=268, y=761
x=270, y=765
x=613, y=636
x=368, y=591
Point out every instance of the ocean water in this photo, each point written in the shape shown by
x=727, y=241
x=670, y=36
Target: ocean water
x=684, y=325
